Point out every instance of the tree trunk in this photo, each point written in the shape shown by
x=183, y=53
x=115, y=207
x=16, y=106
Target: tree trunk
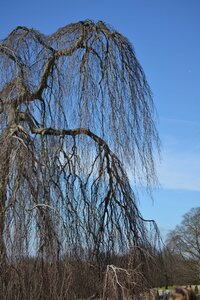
x=4, y=172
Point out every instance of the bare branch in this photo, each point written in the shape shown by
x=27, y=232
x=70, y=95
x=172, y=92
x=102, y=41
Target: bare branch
x=75, y=111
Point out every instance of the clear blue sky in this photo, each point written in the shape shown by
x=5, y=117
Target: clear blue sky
x=166, y=38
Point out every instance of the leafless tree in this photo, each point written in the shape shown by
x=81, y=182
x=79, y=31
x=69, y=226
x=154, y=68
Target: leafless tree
x=75, y=108
x=184, y=242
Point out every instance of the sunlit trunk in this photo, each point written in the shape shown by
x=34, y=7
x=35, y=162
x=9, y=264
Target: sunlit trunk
x=4, y=172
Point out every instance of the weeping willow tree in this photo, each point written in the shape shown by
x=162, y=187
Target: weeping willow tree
x=75, y=112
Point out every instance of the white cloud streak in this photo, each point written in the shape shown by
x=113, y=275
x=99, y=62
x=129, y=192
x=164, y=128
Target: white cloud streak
x=180, y=166
x=180, y=171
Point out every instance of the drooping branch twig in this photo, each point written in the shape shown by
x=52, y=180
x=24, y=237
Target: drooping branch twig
x=76, y=109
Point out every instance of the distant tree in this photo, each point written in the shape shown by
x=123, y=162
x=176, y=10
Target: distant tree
x=75, y=108
x=184, y=242
x=177, y=270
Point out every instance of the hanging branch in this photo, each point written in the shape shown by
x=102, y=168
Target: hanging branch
x=75, y=112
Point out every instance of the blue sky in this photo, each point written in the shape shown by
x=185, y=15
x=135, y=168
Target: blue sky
x=165, y=34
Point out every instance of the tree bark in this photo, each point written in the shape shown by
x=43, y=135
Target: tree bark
x=4, y=171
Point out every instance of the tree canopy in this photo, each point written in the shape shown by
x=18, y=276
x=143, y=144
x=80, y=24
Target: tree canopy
x=184, y=241
x=75, y=110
